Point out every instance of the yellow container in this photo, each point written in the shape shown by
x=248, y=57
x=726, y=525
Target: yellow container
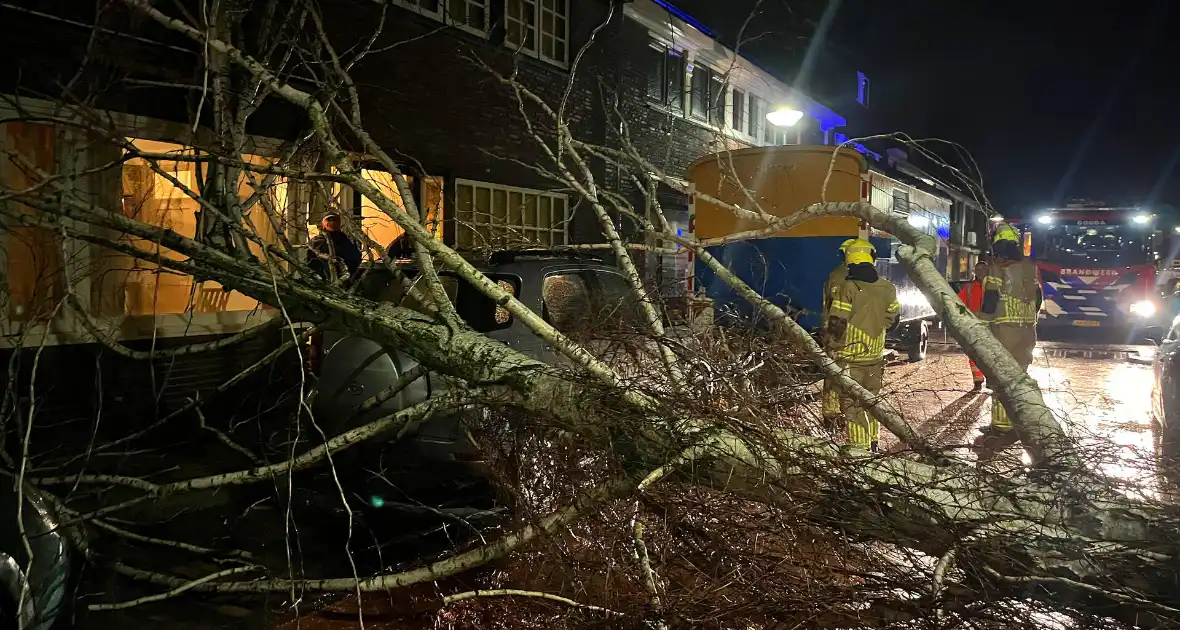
x=784, y=180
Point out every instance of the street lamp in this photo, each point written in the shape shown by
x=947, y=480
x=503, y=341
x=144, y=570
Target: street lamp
x=784, y=117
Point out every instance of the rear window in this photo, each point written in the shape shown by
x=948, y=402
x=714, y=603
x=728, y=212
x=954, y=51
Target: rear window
x=476, y=309
x=590, y=301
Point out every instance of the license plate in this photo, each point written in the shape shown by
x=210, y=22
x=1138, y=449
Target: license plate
x=1085, y=322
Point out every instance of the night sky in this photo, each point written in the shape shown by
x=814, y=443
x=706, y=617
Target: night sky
x=1021, y=84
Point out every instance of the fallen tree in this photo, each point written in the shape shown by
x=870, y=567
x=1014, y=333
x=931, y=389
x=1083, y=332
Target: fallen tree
x=978, y=542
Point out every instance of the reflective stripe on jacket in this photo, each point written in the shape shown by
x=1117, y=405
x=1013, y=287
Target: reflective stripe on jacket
x=870, y=309
x=1018, y=284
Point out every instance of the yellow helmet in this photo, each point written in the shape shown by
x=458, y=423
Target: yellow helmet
x=1005, y=232
x=858, y=250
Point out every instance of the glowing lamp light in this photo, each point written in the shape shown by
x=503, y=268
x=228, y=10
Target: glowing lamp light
x=1045, y=219
x=1177, y=229
x=918, y=221
x=377, y=501
x=1144, y=308
x=997, y=219
x=1141, y=219
x=784, y=117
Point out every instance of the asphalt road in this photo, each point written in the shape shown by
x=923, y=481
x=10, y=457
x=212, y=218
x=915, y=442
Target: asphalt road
x=1100, y=393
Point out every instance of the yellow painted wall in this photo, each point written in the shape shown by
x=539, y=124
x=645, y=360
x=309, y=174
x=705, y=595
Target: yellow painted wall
x=785, y=180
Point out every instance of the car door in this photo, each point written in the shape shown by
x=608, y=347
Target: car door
x=1165, y=394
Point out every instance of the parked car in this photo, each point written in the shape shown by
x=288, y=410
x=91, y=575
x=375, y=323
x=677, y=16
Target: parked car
x=568, y=291
x=44, y=583
x=1165, y=407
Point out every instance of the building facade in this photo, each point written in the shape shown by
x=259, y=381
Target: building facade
x=652, y=79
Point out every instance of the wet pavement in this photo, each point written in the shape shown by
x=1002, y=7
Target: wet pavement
x=1100, y=393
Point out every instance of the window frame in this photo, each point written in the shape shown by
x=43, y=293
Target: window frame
x=737, y=120
x=706, y=75
x=899, y=193
x=537, y=29
x=715, y=88
x=863, y=89
x=493, y=187
x=665, y=101
x=756, y=120
x=442, y=14
x=67, y=330
x=594, y=289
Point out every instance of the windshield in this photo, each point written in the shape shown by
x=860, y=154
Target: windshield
x=1095, y=245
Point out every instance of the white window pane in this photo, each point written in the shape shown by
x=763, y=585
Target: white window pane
x=545, y=213
x=457, y=10
x=477, y=15
x=465, y=237
x=515, y=208
x=483, y=205
x=530, y=210
x=499, y=207
x=463, y=198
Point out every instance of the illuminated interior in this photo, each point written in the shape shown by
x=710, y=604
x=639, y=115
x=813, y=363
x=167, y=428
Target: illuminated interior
x=379, y=227
x=150, y=197
x=33, y=255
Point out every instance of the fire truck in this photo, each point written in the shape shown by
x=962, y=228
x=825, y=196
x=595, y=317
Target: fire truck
x=1098, y=266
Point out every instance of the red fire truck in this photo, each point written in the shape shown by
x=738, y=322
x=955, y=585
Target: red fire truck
x=1097, y=264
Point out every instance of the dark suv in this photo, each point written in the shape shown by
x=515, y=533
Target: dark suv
x=568, y=291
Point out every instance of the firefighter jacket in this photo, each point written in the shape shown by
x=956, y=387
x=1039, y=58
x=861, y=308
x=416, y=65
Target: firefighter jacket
x=972, y=295
x=838, y=275
x=870, y=309
x=1016, y=296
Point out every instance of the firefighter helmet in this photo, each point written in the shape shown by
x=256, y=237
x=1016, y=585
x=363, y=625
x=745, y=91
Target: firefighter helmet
x=858, y=250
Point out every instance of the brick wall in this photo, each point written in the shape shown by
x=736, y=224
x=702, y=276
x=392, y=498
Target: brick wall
x=430, y=99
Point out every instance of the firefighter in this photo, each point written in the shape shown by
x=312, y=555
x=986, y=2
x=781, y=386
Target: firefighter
x=863, y=307
x=831, y=398
x=1011, y=299
x=972, y=296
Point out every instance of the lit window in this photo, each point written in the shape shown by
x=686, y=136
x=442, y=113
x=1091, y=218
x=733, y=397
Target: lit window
x=489, y=216
x=153, y=198
x=32, y=270
x=383, y=230
x=538, y=27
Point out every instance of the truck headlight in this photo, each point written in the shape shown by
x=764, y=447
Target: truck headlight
x=1143, y=308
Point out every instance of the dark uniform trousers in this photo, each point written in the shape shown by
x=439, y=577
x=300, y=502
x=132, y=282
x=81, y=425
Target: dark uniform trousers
x=1020, y=340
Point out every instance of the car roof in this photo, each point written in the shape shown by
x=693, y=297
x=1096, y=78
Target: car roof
x=502, y=261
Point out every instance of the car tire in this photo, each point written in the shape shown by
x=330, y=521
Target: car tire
x=919, y=342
